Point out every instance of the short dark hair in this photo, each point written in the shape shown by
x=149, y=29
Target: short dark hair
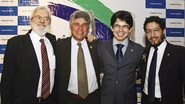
x=122, y=15
x=155, y=19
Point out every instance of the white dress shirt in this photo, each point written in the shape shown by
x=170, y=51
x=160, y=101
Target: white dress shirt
x=124, y=42
x=91, y=76
x=51, y=56
x=160, y=53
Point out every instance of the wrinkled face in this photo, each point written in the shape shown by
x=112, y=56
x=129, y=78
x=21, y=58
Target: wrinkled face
x=40, y=22
x=120, y=30
x=79, y=29
x=154, y=33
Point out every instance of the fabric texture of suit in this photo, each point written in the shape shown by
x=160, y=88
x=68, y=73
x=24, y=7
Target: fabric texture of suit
x=63, y=68
x=171, y=74
x=119, y=81
x=20, y=76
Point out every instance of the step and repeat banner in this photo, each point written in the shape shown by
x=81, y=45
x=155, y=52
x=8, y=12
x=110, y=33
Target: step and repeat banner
x=14, y=18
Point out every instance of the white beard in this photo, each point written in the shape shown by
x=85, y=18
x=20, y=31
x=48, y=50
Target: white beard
x=40, y=29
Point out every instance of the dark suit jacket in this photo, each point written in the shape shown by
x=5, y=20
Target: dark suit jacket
x=20, y=75
x=63, y=69
x=119, y=81
x=171, y=74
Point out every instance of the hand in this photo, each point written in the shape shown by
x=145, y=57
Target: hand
x=90, y=37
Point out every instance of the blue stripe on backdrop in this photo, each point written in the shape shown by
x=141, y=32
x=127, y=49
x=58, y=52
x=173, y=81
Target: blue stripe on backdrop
x=175, y=13
x=175, y=32
x=2, y=49
x=8, y=30
x=1, y=68
x=8, y=11
x=62, y=11
x=158, y=4
x=23, y=20
x=28, y=2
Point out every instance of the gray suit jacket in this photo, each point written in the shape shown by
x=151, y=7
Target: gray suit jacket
x=118, y=83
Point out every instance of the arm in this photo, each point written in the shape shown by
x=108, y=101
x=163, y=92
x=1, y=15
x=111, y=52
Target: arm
x=8, y=74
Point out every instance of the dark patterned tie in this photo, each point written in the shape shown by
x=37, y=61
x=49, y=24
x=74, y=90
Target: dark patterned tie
x=119, y=53
x=151, y=76
x=82, y=74
x=45, y=90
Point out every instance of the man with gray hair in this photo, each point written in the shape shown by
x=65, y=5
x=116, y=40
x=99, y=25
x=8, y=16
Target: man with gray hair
x=29, y=63
x=77, y=69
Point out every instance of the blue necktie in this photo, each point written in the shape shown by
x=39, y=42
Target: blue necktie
x=151, y=76
x=119, y=53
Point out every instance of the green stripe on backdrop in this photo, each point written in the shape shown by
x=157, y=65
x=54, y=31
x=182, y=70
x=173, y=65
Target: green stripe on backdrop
x=100, y=11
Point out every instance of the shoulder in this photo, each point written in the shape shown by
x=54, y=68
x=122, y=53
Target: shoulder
x=176, y=48
x=17, y=38
x=50, y=36
x=104, y=42
x=63, y=41
x=137, y=45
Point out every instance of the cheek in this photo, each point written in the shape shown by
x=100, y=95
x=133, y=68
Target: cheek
x=148, y=36
x=86, y=30
x=48, y=23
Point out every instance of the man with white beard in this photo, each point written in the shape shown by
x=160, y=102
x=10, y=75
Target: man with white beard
x=29, y=63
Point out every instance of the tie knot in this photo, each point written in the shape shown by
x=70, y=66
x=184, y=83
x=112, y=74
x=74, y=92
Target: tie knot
x=156, y=48
x=42, y=40
x=119, y=46
x=79, y=44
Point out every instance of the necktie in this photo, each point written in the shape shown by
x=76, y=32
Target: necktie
x=119, y=53
x=45, y=90
x=82, y=75
x=151, y=76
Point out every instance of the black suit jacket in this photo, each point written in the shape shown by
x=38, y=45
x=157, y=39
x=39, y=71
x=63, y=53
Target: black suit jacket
x=63, y=68
x=171, y=74
x=20, y=75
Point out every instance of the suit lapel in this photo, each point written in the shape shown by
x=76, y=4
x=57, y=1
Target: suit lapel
x=166, y=58
x=128, y=53
x=30, y=54
x=109, y=47
x=67, y=56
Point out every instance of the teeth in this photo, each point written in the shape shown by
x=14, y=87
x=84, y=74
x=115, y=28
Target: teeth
x=120, y=34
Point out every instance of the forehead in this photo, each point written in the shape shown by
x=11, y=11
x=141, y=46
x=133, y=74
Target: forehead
x=41, y=12
x=119, y=21
x=79, y=20
x=152, y=25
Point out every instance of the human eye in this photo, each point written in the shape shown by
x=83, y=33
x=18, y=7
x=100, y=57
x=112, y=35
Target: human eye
x=156, y=30
x=46, y=18
x=148, y=31
x=85, y=25
x=38, y=17
x=125, y=26
x=116, y=26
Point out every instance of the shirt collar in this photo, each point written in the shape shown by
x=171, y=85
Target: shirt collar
x=124, y=42
x=161, y=46
x=35, y=37
x=74, y=42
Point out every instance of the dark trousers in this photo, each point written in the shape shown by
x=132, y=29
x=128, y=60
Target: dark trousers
x=93, y=98
x=148, y=100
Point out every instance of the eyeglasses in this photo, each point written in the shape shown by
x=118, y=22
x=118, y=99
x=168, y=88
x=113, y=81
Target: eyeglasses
x=116, y=26
x=149, y=31
x=39, y=18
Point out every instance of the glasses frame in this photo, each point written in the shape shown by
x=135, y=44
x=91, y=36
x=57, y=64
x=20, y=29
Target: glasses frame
x=39, y=18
